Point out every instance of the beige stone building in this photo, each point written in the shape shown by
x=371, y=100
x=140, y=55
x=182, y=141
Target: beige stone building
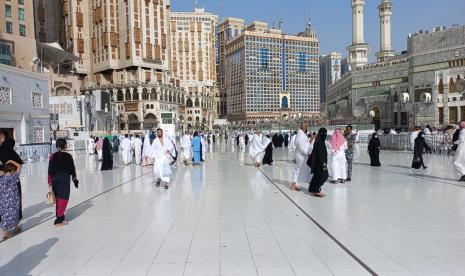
x=193, y=63
x=124, y=51
x=17, y=37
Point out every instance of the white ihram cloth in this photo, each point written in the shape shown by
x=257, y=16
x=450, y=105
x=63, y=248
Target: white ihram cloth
x=126, y=150
x=186, y=146
x=146, y=151
x=256, y=148
x=162, y=158
x=204, y=148
x=302, y=148
x=90, y=146
x=339, y=163
x=292, y=142
x=137, y=146
x=413, y=136
x=459, y=161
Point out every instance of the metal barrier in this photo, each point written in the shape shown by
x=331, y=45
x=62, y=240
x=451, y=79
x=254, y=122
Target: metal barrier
x=439, y=143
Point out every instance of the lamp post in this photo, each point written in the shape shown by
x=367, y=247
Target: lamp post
x=53, y=127
x=79, y=108
x=107, y=117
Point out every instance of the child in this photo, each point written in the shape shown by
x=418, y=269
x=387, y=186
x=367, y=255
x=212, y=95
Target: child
x=9, y=199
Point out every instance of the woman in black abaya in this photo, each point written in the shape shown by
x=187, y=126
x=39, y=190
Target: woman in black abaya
x=268, y=158
x=374, y=147
x=318, y=163
x=420, y=146
x=107, y=161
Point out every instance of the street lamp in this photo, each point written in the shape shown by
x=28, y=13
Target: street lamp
x=107, y=117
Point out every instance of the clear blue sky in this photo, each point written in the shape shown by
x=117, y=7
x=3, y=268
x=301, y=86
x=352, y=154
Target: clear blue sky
x=332, y=21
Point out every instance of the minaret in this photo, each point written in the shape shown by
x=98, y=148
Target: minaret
x=358, y=51
x=385, y=13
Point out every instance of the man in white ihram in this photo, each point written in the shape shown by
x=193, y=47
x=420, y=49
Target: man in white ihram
x=186, y=143
x=161, y=152
x=256, y=148
x=303, y=148
x=137, y=147
x=126, y=149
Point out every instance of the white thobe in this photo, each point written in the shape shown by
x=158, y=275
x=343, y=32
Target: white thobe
x=256, y=148
x=146, y=151
x=90, y=146
x=292, y=143
x=186, y=143
x=339, y=163
x=413, y=136
x=303, y=148
x=162, y=159
x=459, y=159
x=137, y=146
x=204, y=148
x=126, y=150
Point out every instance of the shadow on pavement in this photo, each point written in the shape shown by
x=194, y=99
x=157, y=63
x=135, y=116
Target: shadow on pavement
x=26, y=261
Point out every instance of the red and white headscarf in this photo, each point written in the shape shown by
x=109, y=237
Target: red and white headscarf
x=337, y=140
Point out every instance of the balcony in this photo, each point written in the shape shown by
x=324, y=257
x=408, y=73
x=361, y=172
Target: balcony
x=79, y=19
x=80, y=45
x=137, y=35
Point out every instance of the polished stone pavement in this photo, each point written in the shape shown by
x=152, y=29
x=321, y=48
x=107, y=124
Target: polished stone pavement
x=229, y=218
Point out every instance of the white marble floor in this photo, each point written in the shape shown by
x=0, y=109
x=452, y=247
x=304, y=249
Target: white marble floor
x=229, y=218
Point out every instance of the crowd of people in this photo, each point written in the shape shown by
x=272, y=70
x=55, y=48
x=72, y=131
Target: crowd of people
x=317, y=156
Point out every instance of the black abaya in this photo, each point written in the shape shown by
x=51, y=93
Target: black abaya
x=268, y=158
x=107, y=161
x=420, y=146
x=318, y=165
x=373, y=149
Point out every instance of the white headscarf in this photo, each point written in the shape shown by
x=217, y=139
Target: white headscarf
x=146, y=148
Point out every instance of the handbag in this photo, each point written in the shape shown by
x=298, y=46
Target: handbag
x=50, y=197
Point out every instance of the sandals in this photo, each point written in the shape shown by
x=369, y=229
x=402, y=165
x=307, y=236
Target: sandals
x=321, y=195
x=157, y=184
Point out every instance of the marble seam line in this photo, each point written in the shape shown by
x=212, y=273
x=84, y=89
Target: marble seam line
x=85, y=201
x=408, y=174
x=350, y=253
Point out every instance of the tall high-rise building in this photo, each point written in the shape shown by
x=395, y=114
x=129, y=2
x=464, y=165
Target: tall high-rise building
x=227, y=30
x=358, y=51
x=193, y=63
x=17, y=43
x=271, y=75
x=124, y=52
x=385, y=46
x=49, y=23
x=330, y=72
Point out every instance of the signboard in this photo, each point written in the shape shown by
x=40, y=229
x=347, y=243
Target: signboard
x=221, y=122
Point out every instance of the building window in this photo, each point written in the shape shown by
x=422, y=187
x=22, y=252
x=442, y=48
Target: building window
x=9, y=27
x=5, y=95
x=37, y=100
x=21, y=14
x=38, y=134
x=22, y=30
x=7, y=11
x=21, y=2
x=6, y=53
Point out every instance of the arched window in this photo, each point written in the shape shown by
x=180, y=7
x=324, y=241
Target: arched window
x=135, y=95
x=197, y=103
x=441, y=87
x=62, y=91
x=150, y=121
x=120, y=96
x=145, y=94
x=127, y=96
x=284, y=102
x=189, y=103
x=153, y=94
x=133, y=122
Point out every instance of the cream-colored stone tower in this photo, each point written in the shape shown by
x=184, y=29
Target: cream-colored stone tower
x=385, y=14
x=358, y=51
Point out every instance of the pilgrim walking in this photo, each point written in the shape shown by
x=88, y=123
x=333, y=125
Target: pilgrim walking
x=374, y=147
x=318, y=163
x=60, y=170
x=338, y=157
x=303, y=148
